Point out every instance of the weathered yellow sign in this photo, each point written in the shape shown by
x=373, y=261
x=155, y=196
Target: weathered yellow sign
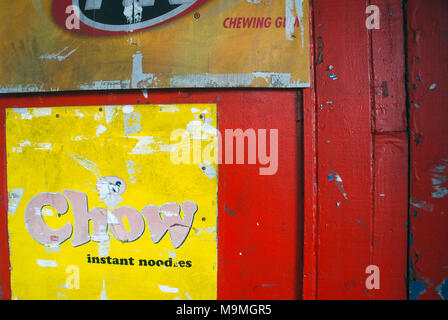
x=97, y=44
x=101, y=208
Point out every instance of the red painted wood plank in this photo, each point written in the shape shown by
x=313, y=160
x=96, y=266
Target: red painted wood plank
x=389, y=68
x=427, y=25
x=345, y=149
x=259, y=224
x=309, y=290
x=5, y=285
x=390, y=216
x=354, y=220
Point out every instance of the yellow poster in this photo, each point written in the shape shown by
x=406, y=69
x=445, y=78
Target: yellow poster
x=113, y=202
x=62, y=45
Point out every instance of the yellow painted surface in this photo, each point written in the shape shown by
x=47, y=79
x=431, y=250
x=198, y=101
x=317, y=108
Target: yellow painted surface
x=169, y=54
x=70, y=148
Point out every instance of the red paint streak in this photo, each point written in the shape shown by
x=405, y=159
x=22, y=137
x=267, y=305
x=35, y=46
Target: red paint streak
x=5, y=286
x=427, y=60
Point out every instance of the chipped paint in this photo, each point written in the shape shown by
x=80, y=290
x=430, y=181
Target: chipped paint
x=103, y=294
x=432, y=86
x=442, y=289
x=168, y=289
x=107, y=85
x=208, y=169
x=421, y=204
x=133, y=171
x=139, y=78
x=59, y=55
x=131, y=122
x=339, y=183
x=272, y=80
x=14, y=198
x=100, y=130
x=416, y=288
x=47, y=263
x=87, y=164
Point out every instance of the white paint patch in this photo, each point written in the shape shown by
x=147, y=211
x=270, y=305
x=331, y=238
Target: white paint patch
x=144, y=145
x=59, y=56
x=87, y=164
x=208, y=169
x=26, y=88
x=110, y=190
x=103, y=294
x=168, y=108
x=47, y=263
x=100, y=130
x=79, y=138
x=107, y=85
x=47, y=212
x=103, y=248
x=79, y=113
x=132, y=122
x=133, y=170
x=274, y=80
x=14, y=198
x=291, y=16
x=128, y=109
x=42, y=112
x=43, y=146
x=111, y=113
x=145, y=93
x=188, y=296
x=211, y=230
x=432, y=86
x=52, y=248
x=168, y=289
x=339, y=184
x=24, y=113
x=139, y=78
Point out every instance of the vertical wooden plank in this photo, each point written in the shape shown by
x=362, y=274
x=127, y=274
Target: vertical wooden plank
x=390, y=219
x=389, y=238
x=361, y=140
x=259, y=236
x=388, y=60
x=427, y=35
x=5, y=284
x=345, y=148
x=310, y=177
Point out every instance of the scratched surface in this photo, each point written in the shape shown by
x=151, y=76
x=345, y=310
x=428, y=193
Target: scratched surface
x=67, y=149
x=198, y=49
x=427, y=58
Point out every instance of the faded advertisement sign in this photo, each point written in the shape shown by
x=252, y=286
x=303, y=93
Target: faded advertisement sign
x=104, y=202
x=120, y=44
